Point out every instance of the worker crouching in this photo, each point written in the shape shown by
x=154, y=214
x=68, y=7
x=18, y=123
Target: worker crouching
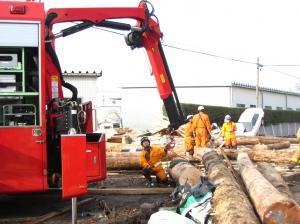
x=228, y=132
x=189, y=139
x=151, y=162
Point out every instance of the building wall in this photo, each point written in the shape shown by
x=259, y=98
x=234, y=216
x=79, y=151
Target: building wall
x=217, y=96
x=274, y=100
x=271, y=100
x=293, y=102
x=86, y=86
x=142, y=109
x=243, y=96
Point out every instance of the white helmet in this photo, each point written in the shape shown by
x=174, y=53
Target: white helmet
x=200, y=108
x=189, y=117
x=227, y=117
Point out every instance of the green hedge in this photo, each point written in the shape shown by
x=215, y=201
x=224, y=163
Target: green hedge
x=217, y=114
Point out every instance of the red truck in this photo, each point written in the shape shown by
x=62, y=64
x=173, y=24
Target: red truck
x=46, y=140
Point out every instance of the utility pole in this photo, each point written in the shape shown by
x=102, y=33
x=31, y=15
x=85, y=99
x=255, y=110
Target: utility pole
x=257, y=84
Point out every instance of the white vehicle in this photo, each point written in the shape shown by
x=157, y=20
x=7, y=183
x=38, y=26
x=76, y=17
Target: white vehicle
x=249, y=122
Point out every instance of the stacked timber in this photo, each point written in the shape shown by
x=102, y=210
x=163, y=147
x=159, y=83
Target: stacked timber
x=272, y=206
x=231, y=204
x=262, y=155
x=271, y=142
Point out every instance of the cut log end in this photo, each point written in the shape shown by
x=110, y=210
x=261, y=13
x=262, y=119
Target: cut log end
x=287, y=213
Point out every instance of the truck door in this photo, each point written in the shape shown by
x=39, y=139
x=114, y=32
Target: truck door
x=22, y=137
x=74, y=168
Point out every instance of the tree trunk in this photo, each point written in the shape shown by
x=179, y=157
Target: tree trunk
x=129, y=160
x=269, y=156
x=270, y=139
x=280, y=145
x=271, y=174
x=272, y=206
x=185, y=173
x=231, y=204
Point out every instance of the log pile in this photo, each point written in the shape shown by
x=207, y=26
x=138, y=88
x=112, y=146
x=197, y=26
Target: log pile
x=272, y=206
x=262, y=155
x=231, y=204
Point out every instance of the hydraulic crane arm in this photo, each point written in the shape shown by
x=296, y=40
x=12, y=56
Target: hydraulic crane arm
x=145, y=34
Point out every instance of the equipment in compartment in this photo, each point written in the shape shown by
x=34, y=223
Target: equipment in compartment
x=19, y=114
x=8, y=83
x=8, y=61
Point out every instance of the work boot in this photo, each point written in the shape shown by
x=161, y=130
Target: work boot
x=150, y=184
x=291, y=166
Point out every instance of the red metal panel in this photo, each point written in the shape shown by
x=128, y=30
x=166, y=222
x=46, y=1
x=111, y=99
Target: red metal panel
x=92, y=154
x=21, y=161
x=96, y=159
x=74, y=174
x=102, y=155
x=33, y=10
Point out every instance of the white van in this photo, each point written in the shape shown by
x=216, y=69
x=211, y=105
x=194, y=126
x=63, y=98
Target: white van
x=250, y=121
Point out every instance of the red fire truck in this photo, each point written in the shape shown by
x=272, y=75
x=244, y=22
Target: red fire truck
x=47, y=140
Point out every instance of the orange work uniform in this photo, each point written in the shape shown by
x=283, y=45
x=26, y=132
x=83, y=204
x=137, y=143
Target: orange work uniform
x=201, y=125
x=228, y=132
x=153, y=159
x=189, y=141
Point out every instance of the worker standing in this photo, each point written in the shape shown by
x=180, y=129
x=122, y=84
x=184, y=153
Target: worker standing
x=150, y=159
x=189, y=140
x=202, y=128
x=228, y=132
x=295, y=160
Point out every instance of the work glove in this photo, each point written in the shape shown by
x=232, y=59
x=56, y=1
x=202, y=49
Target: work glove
x=147, y=169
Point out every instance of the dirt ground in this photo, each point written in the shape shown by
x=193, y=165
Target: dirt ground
x=102, y=209
x=118, y=208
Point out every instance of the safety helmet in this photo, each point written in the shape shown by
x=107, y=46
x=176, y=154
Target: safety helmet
x=200, y=108
x=145, y=138
x=189, y=117
x=227, y=117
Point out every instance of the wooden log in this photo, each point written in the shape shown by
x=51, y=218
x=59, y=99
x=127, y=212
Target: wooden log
x=272, y=206
x=185, y=173
x=271, y=139
x=269, y=156
x=280, y=145
x=129, y=160
x=130, y=191
x=273, y=176
x=231, y=204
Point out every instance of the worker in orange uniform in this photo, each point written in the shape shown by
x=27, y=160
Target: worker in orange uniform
x=295, y=160
x=189, y=139
x=201, y=127
x=150, y=159
x=228, y=132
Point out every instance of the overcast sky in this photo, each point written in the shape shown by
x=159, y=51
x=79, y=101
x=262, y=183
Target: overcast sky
x=241, y=30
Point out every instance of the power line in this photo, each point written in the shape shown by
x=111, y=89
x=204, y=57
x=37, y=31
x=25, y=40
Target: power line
x=221, y=57
x=209, y=54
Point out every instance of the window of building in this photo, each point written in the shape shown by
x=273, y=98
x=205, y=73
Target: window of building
x=268, y=107
x=279, y=108
x=240, y=105
x=251, y=105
